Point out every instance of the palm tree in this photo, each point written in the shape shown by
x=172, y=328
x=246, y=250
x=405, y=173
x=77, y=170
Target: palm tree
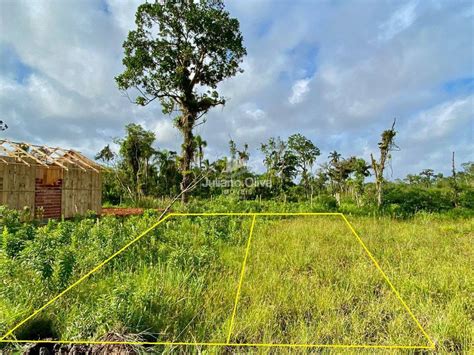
x=243, y=155
x=334, y=156
x=200, y=144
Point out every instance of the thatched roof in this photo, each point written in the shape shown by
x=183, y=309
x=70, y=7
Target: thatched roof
x=31, y=154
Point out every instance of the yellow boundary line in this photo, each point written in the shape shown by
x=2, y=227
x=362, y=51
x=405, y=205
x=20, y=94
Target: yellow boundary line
x=389, y=282
x=242, y=272
x=228, y=343
x=83, y=277
x=257, y=345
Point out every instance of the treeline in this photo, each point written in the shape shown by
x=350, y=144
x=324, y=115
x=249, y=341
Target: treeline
x=294, y=172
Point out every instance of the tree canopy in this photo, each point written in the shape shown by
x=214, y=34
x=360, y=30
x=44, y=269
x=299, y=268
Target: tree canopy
x=179, y=52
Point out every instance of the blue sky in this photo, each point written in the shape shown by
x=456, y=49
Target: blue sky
x=335, y=71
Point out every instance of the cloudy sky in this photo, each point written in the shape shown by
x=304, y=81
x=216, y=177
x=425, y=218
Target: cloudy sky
x=336, y=71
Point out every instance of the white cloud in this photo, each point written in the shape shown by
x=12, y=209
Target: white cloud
x=443, y=120
x=256, y=114
x=399, y=21
x=166, y=133
x=369, y=64
x=299, y=91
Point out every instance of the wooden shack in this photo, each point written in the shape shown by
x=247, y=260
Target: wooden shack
x=49, y=182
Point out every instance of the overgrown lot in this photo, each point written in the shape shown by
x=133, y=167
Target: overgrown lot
x=307, y=280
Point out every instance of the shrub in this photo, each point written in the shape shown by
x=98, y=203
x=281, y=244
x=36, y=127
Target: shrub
x=13, y=241
x=407, y=200
x=328, y=202
x=467, y=199
x=9, y=218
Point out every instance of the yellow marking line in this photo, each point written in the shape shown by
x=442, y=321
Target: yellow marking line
x=366, y=346
x=242, y=272
x=209, y=214
x=253, y=214
x=84, y=277
x=432, y=344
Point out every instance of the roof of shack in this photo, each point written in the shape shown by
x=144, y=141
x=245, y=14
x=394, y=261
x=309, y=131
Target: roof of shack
x=32, y=154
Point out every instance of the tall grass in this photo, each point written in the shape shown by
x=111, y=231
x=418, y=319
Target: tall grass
x=307, y=280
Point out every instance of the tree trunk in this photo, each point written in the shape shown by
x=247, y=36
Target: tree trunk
x=187, y=155
x=378, y=187
x=454, y=183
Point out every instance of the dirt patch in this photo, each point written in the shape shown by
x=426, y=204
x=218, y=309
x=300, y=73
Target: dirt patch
x=96, y=349
x=125, y=211
x=121, y=211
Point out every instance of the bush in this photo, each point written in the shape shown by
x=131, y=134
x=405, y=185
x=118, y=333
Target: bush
x=13, y=242
x=408, y=200
x=329, y=203
x=466, y=199
x=9, y=219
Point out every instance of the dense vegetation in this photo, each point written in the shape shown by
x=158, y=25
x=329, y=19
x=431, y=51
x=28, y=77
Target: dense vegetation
x=140, y=174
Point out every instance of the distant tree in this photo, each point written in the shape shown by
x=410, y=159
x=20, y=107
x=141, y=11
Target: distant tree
x=306, y=153
x=412, y=179
x=334, y=157
x=200, y=145
x=339, y=171
x=454, y=182
x=427, y=176
x=115, y=180
x=360, y=170
x=179, y=52
x=279, y=161
x=136, y=150
x=106, y=154
x=386, y=145
x=320, y=179
x=244, y=155
x=168, y=177
x=233, y=152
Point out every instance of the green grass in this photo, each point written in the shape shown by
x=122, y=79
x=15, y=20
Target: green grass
x=430, y=260
x=307, y=281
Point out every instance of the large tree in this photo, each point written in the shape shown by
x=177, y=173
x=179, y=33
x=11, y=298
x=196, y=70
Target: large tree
x=386, y=145
x=179, y=52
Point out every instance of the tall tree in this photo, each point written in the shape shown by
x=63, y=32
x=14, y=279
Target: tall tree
x=233, y=153
x=339, y=171
x=279, y=161
x=306, y=153
x=179, y=52
x=386, y=145
x=136, y=150
x=168, y=178
x=334, y=157
x=200, y=145
x=360, y=170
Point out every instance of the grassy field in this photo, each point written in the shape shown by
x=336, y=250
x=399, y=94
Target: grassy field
x=307, y=280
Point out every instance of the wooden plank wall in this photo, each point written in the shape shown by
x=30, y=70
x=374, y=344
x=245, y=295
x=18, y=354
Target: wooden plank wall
x=82, y=192
x=17, y=186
